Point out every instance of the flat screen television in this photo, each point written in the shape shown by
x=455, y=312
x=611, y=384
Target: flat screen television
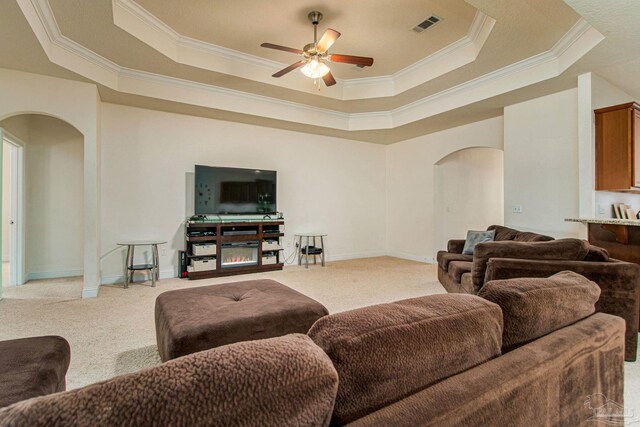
x=233, y=191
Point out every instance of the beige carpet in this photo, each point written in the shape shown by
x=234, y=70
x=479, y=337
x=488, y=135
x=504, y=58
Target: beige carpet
x=114, y=333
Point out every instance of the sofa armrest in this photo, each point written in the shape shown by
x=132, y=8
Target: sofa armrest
x=455, y=246
x=619, y=284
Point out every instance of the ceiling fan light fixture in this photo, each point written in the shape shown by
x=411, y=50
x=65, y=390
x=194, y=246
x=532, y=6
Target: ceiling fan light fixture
x=315, y=68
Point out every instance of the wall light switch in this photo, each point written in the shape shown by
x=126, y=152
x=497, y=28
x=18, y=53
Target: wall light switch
x=516, y=209
x=602, y=209
x=163, y=252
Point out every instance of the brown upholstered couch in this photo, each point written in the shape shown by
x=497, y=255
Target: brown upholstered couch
x=515, y=254
x=31, y=367
x=456, y=271
x=439, y=360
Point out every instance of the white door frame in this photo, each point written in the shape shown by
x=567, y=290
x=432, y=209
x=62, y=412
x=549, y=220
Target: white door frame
x=17, y=248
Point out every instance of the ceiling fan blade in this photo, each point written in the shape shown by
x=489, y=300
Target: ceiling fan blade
x=328, y=79
x=289, y=68
x=284, y=48
x=328, y=38
x=349, y=59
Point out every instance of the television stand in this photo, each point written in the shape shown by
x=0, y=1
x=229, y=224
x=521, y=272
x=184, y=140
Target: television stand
x=231, y=247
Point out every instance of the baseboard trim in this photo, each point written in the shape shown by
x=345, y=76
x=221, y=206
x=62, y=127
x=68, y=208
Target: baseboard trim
x=38, y=275
x=90, y=293
x=412, y=257
x=112, y=280
x=357, y=255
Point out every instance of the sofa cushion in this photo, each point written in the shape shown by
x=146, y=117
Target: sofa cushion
x=386, y=352
x=597, y=254
x=272, y=382
x=527, y=236
x=444, y=258
x=534, y=307
x=503, y=233
x=561, y=249
x=31, y=367
x=458, y=268
x=475, y=237
x=506, y=233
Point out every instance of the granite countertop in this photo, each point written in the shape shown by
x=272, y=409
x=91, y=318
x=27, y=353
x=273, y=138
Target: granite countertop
x=614, y=221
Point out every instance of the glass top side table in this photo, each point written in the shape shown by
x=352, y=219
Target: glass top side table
x=130, y=267
x=308, y=250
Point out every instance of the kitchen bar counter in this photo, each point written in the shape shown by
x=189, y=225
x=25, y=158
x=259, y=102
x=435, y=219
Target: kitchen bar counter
x=621, y=237
x=613, y=221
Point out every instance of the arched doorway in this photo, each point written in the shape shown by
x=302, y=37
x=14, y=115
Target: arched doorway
x=469, y=193
x=49, y=233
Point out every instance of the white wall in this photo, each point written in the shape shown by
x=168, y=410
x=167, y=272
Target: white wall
x=341, y=187
x=411, y=184
x=78, y=104
x=18, y=126
x=324, y=184
x=6, y=200
x=469, y=193
x=53, y=199
x=541, y=164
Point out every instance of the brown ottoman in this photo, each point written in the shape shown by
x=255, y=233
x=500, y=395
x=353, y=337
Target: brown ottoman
x=31, y=367
x=196, y=319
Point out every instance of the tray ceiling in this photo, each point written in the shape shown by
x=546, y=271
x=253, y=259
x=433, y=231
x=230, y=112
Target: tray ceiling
x=379, y=28
x=526, y=43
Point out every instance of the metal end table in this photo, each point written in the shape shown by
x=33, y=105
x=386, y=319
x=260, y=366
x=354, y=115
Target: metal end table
x=130, y=267
x=310, y=251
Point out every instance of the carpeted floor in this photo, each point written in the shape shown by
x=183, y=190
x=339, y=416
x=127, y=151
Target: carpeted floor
x=115, y=333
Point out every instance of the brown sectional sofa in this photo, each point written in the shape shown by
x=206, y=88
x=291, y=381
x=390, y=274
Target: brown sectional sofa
x=455, y=268
x=31, y=367
x=536, y=255
x=437, y=360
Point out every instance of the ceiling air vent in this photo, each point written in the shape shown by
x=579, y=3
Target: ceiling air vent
x=429, y=22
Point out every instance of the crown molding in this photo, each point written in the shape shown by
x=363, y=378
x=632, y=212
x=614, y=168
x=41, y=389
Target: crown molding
x=62, y=51
x=457, y=54
x=140, y=23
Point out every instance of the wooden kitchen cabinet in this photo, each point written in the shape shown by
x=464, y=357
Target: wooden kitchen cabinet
x=618, y=147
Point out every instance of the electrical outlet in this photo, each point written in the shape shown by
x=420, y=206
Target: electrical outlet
x=288, y=244
x=516, y=209
x=163, y=252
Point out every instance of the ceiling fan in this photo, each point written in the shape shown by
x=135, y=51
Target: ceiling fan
x=315, y=54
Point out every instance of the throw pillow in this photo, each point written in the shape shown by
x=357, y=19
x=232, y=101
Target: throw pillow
x=534, y=307
x=475, y=237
